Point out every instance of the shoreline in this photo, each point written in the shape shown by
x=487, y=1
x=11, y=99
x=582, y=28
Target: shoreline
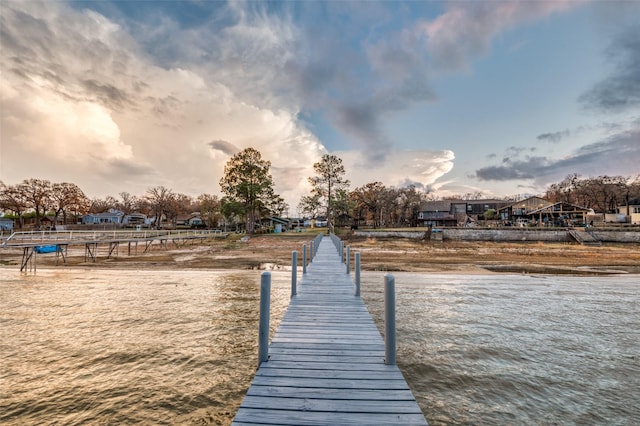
x=273, y=252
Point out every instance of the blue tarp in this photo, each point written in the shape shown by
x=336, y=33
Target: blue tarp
x=47, y=249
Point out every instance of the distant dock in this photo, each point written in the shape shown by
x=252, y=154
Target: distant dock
x=58, y=242
x=326, y=362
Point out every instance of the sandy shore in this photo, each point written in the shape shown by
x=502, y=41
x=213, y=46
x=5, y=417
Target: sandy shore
x=274, y=252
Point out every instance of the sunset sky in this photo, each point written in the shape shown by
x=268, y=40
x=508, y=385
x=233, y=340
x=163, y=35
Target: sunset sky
x=453, y=97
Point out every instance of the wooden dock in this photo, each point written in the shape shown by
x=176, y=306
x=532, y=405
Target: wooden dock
x=326, y=361
x=30, y=242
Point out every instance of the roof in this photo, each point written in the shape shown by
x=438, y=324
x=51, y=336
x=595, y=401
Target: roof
x=564, y=207
x=436, y=206
x=114, y=214
x=528, y=201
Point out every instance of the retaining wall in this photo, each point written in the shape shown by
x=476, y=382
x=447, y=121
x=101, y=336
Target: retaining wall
x=520, y=234
x=415, y=235
x=558, y=235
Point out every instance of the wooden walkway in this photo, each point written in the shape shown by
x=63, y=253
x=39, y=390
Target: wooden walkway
x=326, y=360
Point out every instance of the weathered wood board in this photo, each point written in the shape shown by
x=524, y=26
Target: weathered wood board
x=326, y=360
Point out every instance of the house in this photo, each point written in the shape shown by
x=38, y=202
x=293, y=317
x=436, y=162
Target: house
x=540, y=211
x=519, y=212
x=279, y=224
x=441, y=213
x=191, y=220
x=631, y=211
x=6, y=224
x=456, y=212
x=476, y=209
x=196, y=221
x=560, y=214
x=112, y=216
x=134, y=219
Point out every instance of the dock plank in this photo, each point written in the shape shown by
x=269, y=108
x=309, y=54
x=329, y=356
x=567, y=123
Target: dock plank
x=326, y=360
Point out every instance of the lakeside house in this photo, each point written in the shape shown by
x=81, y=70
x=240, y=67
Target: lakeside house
x=456, y=212
x=532, y=210
x=112, y=216
x=192, y=220
x=134, y=219
x=629, y=212
x=6, y=224
x=540, y=211
x=519, y=212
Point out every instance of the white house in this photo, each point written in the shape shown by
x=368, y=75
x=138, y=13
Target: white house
x=632, y=211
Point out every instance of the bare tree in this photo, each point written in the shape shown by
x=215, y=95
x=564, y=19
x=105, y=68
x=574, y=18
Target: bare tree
x=37, y=193
x=127, y=203
x=14, y=200
x=159, y=199
x=101, y=205
x=67, y=197
x=369, y=201
x=209, y=207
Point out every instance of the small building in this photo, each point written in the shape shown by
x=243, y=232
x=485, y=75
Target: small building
x=113, y=216
x=195, y=221
x=134, y=219
x=631, y=211
x=275, y=223
x=441, y=213
x=6, y=224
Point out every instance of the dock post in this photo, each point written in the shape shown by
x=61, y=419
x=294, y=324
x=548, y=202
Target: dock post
x=348, y=259
x=341, y=249
x=294, y=272
x=389, y=319
x=304, y=259
x=357, y=271
x=263, y=330
x=311, y=252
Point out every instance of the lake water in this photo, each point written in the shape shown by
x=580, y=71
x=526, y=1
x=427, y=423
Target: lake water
x=180, y=347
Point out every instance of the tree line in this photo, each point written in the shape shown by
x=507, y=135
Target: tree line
x=603, y=194
x=248, y=195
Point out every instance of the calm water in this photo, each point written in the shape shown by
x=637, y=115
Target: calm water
x=180, y=347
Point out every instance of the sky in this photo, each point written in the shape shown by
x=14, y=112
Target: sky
x=453, y=97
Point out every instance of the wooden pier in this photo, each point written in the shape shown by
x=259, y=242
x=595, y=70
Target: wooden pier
x=31, y=242
x=326, y=362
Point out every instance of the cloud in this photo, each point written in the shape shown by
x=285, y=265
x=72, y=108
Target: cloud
x=225, y=147
x=554, y=137
x=618, y=154
x=421, y=168
x=620, y=91
x=466, y=30
x=82, y=104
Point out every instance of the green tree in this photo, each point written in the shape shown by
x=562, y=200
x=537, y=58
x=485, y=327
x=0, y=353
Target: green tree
x=247, y=182
x=309, y=205
x=328, y=181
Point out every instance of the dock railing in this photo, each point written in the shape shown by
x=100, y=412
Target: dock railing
x=327, y=362
x=389, y=299
x=52, y=237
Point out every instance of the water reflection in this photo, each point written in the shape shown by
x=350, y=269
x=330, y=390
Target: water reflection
x=518, y=349
x=180, y=347
x=126, y=346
